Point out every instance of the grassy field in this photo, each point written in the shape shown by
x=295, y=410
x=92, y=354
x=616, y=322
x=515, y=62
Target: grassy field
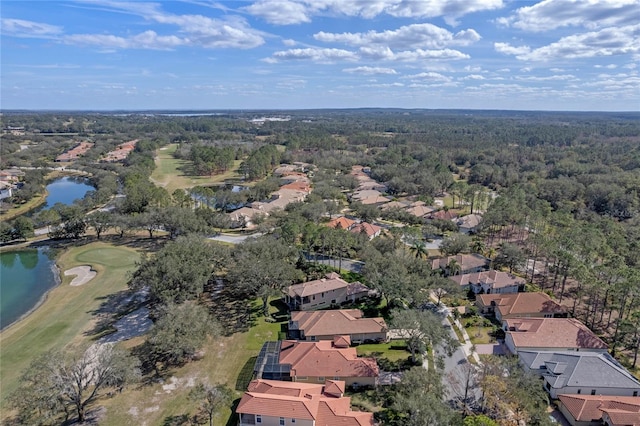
x=228, y=360
x=172, y=173
x=67, y=311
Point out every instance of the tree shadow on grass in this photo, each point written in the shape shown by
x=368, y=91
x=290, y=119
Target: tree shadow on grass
x=234, y=314
x=233, y=418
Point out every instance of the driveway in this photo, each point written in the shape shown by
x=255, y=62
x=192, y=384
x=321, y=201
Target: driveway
x=233, y=239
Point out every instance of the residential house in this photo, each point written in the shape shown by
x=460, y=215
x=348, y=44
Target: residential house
x=369, y=196
x=370, y=230
x=6, y=190
x=314, y=362
x=75, y=152
x=419, y=210
x=121, y=152
x=326, y=325
x=277, y=403
x=468, y=224
x=520, y=305
x=490, y=282
x=466, y=264
x=324, y=293
x=598, y=410
x=550, y=334
x=443, y=215
x=11, y=175
x=580, y=373
x=341, y=222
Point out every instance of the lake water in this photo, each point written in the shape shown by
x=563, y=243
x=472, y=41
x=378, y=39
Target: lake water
x=66, y=190
x=26, y=275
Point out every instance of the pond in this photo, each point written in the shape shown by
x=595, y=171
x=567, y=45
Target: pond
x=66, y=190
x=27, y=275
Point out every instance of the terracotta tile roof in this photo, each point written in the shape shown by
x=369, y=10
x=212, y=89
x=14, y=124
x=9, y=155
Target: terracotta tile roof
x=341, y=341
x=323, y=404
x=443, y=214
x=297, y=186
x=552, y=333
x=623, y=410
x=367, y=228
x=521, y=303
x=317, y=286
x=494, y=279
x=322, y=359
x=340, y=321
x=420, y=211
x=341, y=223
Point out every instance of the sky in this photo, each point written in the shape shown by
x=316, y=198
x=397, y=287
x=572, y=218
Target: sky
x=573, y=55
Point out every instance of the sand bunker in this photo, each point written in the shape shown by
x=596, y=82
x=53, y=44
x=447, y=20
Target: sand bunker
x=84, y=274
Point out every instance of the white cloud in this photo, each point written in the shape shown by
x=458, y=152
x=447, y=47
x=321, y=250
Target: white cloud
x=610, y=66
x=407, y=37
x=289, y=42
x=432, y=76
x=562, y=77
x=606, y=42
x=313, y=54
x=285, y=12
x=507, y=49
x=28, y=29
x=280, y=12
x=473, y=77
x=194, y=30
x=592, y=14
x=365, y=70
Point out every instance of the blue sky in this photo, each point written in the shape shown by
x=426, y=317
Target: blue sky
x=281, y=54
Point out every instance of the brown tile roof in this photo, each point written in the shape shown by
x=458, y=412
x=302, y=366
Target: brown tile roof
x=323, y=404
x=341, y=223
x=495, y=279
x=443, y=214
x=340, y=321
x=552, y=333
x=522, y=303
x=623, y=410
x=317, y=286
x=322, y=359
x=367, y=228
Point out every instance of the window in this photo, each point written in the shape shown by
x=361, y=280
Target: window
x=281, y=421
x=313, y=338
x=293, y=420
x=579, y=391
x=635, y=393
x=258, y=418
x=321, y=379
x=323, y=294
x=333, y=301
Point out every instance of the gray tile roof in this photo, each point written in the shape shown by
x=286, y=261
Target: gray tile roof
x=580, y=369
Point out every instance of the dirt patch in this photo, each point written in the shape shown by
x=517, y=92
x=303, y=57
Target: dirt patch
x=83, y=274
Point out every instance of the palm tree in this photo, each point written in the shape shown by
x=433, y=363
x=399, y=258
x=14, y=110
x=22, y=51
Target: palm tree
x=477, y=245
x=454, y=267
x=419, y=249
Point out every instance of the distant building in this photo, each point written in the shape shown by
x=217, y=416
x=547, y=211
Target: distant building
x=489, y=282
x=75, y=153
x=467, y=263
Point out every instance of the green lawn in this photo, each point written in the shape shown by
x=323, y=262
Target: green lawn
x=172, y=173
x=67, y=311
x=395, y=350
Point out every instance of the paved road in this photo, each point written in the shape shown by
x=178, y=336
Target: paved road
x=349, y=265
x=233, y=239
x=456, y=370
